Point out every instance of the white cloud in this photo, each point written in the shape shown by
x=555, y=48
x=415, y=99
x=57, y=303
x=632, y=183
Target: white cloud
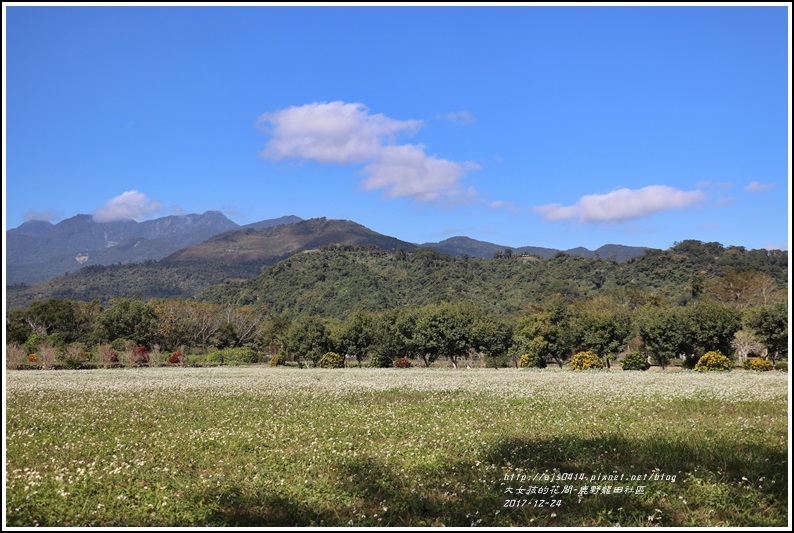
x=346, y=133
x=128, y=205
x=622, y=204
x=461, y=118
x=333, y=132
x=756, y=186
x=502, y=204
x=405, y=170
x=725, y=201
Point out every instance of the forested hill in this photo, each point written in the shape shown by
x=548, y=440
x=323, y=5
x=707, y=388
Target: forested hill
x=474, y=248
x=335, y=281
x=235, y=254
x=266, y=246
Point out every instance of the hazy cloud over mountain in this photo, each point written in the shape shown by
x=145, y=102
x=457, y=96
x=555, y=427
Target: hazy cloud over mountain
x=47, y=216
x=128, y=205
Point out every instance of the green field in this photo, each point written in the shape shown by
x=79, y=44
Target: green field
x=262, y=446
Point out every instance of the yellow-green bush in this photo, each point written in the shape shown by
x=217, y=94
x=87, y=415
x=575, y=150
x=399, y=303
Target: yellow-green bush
x=586, y=361
x=278, y=360
x=756, y=363
x=713, y=360
x=529, y=360
x=332, y=360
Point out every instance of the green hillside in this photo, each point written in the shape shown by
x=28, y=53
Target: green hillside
x=231, y=255
x=266, y=246
x=336, y=281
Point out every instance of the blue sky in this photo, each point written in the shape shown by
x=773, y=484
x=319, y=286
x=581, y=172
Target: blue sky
x=519, y=125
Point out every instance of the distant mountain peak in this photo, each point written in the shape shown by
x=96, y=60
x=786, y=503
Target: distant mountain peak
x=257, y=247
x=38, y=251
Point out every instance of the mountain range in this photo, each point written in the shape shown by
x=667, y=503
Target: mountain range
x=38, y=251
x=288, y=259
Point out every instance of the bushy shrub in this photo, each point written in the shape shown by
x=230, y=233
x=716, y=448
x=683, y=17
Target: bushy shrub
x=529, y=360
x=75, y=356
x=713, y=360
x=402, y=362
x=635, y=361
x=32, y=344
x=756, y=363
x=212, y=358
x=782, y=366
x=586, y=361
x=177, y=358
x=239, y=356
x=332, y=360
x=107, y=355
x=227, y=356
x=278, y=360
x=139, y=356
x=46, y=354
x=16, y=356
x=381, y=361
x=156, y=356
x=121, y=345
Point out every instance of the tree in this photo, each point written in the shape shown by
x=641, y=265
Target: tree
x=225, y=337
x=491, y=337
x=127, y=319
x=307, y=339
x=17, y=327
x=16, y=355
x=445, y=329
x=602, y=327
x=519, y=345
x=666, y=333
x=436, y=334
x=185, y=322
x=396, y=333
x=202, y=322
x=549, y=331
x=173, y=328
x=697, y=284
x=743, y=288
x=357, y=335
x=713, y=327
x=244, y=321
x=745, y=343
x=273, y=331
x=86, y=314
x=53, y=317
x=771, y=325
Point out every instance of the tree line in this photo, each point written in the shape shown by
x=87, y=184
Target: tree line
x=548, y=332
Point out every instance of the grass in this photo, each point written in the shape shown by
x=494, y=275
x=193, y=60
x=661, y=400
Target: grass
x=261, y=446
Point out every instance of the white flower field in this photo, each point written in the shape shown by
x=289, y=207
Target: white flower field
x=262, y=446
